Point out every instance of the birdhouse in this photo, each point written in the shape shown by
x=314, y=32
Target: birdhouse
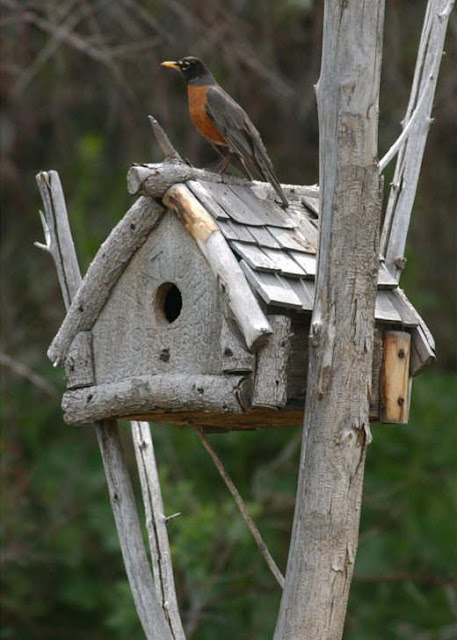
x=197, y=308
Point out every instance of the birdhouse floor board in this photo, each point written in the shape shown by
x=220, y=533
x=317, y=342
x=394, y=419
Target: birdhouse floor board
x=260, y=418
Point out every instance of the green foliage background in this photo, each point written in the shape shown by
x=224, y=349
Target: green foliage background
x=76, y=100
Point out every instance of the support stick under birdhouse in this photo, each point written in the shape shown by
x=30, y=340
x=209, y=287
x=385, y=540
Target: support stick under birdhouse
x=59, y=243
x=156, y=524
x=242, y=508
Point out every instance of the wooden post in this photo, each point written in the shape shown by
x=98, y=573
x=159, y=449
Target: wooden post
x=336, y=430
x=59, y=244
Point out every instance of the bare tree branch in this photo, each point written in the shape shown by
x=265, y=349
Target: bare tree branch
x=156, y=524
x=242, y=507
x=21, y=369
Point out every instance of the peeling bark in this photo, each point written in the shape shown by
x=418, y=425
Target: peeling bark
x=336, y=430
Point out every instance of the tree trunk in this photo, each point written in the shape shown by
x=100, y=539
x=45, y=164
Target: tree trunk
x=336, y=430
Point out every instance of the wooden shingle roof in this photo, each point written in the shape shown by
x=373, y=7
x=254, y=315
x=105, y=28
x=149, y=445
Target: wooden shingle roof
x=277, y=248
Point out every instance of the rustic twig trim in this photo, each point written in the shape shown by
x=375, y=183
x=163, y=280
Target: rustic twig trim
x=156, y=524
x=163, y=141
x=144, y=394
x=401, y=140
x=411, y=144
x=154, y=180
x=103, y=273
x=241, y=304
x=242, y=507
x=57, y=233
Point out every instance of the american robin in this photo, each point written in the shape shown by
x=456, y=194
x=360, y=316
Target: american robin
x=223, y=122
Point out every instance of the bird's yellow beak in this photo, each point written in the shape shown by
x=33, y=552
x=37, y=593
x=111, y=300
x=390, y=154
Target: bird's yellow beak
x=170, y=64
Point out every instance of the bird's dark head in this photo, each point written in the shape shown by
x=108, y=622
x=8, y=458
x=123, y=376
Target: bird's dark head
x=193, y=70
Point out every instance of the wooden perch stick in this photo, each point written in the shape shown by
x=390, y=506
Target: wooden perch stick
x=60, y=245
x=336, y=424
x=242, y=507
x=156, y=524
x=414, y=137
x=163, y=141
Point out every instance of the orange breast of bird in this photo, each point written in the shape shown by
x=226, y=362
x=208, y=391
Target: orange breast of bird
x=201, y=120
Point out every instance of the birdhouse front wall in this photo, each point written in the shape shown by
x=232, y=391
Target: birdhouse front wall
x=163, y=315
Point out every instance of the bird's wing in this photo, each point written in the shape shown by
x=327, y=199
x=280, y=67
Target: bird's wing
x=242, y=137
x=231, y=121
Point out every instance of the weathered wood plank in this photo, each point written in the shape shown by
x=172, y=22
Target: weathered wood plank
x=270, y=386
x=304, y=289
x=103, y=273
x=395, y=377
x=385, y=309
x=262, y=211
x=284, y=264
x=144, y=394
x=255, y=257
x=385, y=278
x=306, y=261
x=264, y=238
x=271, y=287
x=422, y=350
x=79, y=363
x=235, y=358
x=258, y=418
x=168, y=261
x=202, y=192
x=236, y=292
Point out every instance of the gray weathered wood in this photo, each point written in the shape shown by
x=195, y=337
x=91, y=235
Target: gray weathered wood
x=103, y=273
x=59, y=243
x=235, y=357
x=152, y=344
x=129, y=532
x=271, y=288
x=156, y=524
x=164, y=142
x=237, y=294
x=336, y=430
x=423, y=353
x=409, y=161
x=154, y=180
x=58, y=238
x=79, y=363
x=395, y=377
x=270, y=387
x=138, y=396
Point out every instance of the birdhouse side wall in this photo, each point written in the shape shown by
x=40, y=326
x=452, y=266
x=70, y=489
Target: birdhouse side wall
x=163, y=315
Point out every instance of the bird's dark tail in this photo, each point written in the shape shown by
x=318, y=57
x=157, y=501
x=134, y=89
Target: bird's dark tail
x=265, y=167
